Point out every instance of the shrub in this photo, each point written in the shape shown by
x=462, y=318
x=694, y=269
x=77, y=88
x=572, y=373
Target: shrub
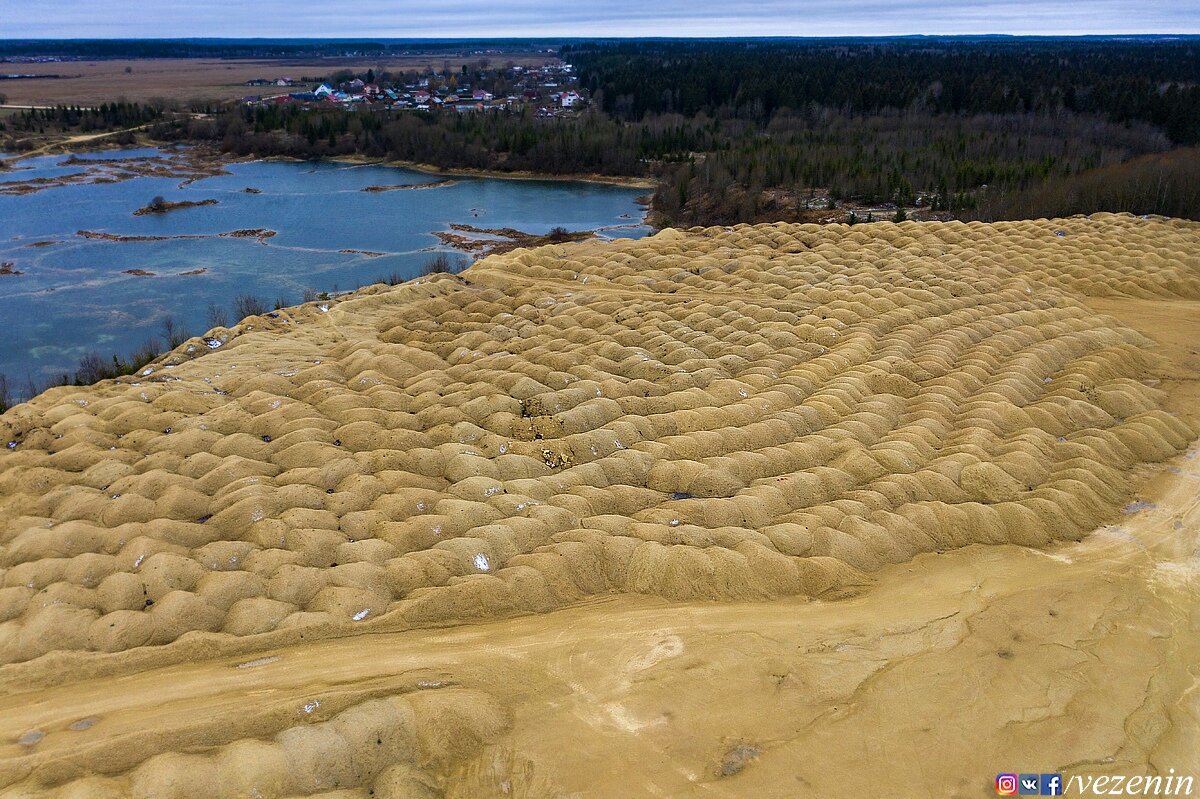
x=146, y=352
x=438, y=262
x=92, y=369
x=217, y=316
x=173, y=333
x=248, y=305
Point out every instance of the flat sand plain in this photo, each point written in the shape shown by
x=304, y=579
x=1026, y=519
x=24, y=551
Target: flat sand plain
x=762, y=511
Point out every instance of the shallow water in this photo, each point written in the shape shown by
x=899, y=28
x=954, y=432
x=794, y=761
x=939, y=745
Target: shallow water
x=74, y=295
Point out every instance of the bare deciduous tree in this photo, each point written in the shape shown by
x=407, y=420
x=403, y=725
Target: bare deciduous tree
x=173, y=333
x=217, y=317
x=248, y=305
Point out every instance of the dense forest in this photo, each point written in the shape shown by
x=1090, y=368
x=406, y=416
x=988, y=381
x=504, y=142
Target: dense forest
x=1123, y=80
x=756, y=130
x=74, y=119
x=975, y=128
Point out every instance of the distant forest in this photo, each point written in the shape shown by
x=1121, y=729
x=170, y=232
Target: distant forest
x=757, y=130
x=984, y=128
x=251, y=48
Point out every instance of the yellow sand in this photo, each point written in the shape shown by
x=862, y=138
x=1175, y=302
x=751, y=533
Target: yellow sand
x=780, y=413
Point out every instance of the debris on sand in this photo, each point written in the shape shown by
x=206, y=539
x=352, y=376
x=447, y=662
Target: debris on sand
x=736, y=759
x=749, y=490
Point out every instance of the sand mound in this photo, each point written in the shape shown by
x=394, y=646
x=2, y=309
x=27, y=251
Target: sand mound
x=397, y=746
x=722, y=413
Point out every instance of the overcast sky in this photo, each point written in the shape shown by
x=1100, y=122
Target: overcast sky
x=481, y=18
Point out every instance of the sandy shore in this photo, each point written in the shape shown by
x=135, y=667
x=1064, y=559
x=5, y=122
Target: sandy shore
x=762, y=511
x=431, y=169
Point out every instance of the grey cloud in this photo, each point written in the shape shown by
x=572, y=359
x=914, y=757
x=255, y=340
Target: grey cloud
x=476, y=18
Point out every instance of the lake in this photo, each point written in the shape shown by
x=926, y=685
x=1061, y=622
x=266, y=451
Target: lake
x=75, y=294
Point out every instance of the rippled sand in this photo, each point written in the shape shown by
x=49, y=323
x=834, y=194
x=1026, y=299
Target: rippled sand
x=763, y=511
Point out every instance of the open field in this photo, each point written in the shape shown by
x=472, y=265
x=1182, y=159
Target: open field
x=94, y=82
x=771, y=511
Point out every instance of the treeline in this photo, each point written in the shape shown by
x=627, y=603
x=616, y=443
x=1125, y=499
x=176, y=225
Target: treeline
x=1161, y=183
x=1148, y=80
x=498, y=141
x=715, y=171
x=758, y=130
x=799, y=163
x=76, y=119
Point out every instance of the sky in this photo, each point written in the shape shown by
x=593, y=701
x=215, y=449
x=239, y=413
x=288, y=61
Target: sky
x=560, y=18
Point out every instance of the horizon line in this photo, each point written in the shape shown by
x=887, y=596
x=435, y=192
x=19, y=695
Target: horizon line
x=373, y=39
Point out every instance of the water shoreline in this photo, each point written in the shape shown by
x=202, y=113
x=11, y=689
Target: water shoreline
x=628, y=182
x=337, y=241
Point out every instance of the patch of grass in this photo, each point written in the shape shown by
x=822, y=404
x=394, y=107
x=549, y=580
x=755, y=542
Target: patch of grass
x=439, y=262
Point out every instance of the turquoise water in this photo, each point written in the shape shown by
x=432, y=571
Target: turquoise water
x=74, y=296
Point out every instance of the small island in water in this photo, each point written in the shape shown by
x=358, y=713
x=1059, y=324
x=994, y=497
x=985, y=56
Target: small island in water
x=159, y=205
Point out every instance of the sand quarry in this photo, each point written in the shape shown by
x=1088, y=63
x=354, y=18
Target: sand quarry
x=767, y=511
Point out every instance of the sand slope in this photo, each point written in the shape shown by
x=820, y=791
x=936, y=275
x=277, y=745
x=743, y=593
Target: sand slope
x=745, y=414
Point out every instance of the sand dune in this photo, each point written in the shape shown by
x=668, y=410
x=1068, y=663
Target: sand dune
x=781, y=413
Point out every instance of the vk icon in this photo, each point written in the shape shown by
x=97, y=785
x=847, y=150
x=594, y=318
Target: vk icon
x=1051, y=785
x=1027, y=785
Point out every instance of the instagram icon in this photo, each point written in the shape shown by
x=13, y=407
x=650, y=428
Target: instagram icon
x=1006, y=784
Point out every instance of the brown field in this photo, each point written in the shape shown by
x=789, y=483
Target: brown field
x=92, y=82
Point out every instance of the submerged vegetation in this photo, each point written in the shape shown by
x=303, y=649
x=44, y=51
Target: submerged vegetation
x=94, y=367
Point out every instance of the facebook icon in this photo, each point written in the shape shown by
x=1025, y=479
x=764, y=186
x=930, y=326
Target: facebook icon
x=1052, y=785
